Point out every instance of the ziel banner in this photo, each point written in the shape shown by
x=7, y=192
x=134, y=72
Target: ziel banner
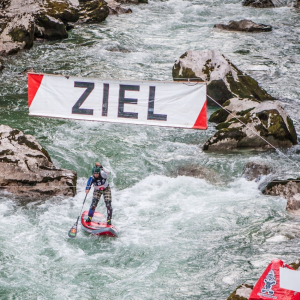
x=157, y=103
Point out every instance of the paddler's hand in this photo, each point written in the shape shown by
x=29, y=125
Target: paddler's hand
x=87, y=191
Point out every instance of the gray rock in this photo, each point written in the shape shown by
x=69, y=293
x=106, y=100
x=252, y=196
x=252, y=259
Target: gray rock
x=23, y=20
x=253, y=170
x=288, y=189
x=26, y=169
x=93, y=11
x=116, y=8
x=242, y=292
x=198, y=172
x=17, y=34
x=259, y=3
x=244, y=25
x=49, y=28
x=267, y=120
x=224, y=79
x=27, y=70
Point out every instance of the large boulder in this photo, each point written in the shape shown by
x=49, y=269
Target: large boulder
x=23, y=20
x=116, y=8
x=244, y=25
x=224, y=79
x=254, y=170
x=198, y=172
x=17, y=33
x=26, y=169
x=289, y=189
x=261, y=122
x=93, y=11
x=259, y=3
x=62, y=10
x=49, y=28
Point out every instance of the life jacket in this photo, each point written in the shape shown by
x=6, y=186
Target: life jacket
x=100, y=183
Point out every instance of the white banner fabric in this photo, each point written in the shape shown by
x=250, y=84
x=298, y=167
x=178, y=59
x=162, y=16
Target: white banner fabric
x=138, y=102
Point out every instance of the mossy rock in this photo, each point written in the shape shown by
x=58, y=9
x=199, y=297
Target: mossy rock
x=94, y=11
x=247, y=87
x=231, y=135
x=224, y=79
x=186, y=73
x=219, y=116
x=223, y=125
x=51, y=28
x=292, y=130
x=22, y=34
x=218, y=90
x=62, y=10
x=275, y=125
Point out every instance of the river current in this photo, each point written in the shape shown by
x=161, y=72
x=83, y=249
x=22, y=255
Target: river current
x=180, y=238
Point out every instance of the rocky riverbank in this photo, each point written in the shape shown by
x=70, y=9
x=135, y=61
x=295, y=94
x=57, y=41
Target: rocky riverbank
x=26, y=169
x=22, y=22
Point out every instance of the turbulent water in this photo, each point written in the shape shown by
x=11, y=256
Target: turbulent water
x=180, y=238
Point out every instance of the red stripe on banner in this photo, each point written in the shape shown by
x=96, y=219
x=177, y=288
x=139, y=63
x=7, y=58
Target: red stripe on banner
x=201, y=122
x=34, y=82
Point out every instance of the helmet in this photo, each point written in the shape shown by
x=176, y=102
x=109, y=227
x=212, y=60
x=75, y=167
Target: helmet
x=96, y=170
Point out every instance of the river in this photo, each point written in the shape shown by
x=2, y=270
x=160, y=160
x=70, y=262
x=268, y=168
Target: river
x=180, y=238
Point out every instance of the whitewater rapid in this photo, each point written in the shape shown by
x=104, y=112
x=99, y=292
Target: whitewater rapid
x=180, y=238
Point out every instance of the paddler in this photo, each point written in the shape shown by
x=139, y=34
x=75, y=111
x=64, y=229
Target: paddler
x=101, y=187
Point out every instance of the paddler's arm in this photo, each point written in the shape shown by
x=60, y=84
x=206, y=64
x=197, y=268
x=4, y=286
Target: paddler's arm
x=106, y=170
x=88, y=184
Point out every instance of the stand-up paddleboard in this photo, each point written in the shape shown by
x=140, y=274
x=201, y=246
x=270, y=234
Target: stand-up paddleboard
x=98, y=225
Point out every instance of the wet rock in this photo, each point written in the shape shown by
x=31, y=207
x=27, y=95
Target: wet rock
x=22, y=21
x=26, y=169
x=49, y=28
x=225, y=80
x=289, y=189
x=62, y=10
x=295, y=265
x=28, y=70
x=131, y=1
x=117, y=49
x=253, y=170
x=69, y=26
x=296, y=4
x=244, y=25
x=266, y=119
x=93, y=11
x=242, y=292
x=259, y=3
x=17, y=33
x=116, y=8
x=198, y=172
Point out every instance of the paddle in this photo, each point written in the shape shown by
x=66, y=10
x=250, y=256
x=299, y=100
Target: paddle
x=73, y=231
